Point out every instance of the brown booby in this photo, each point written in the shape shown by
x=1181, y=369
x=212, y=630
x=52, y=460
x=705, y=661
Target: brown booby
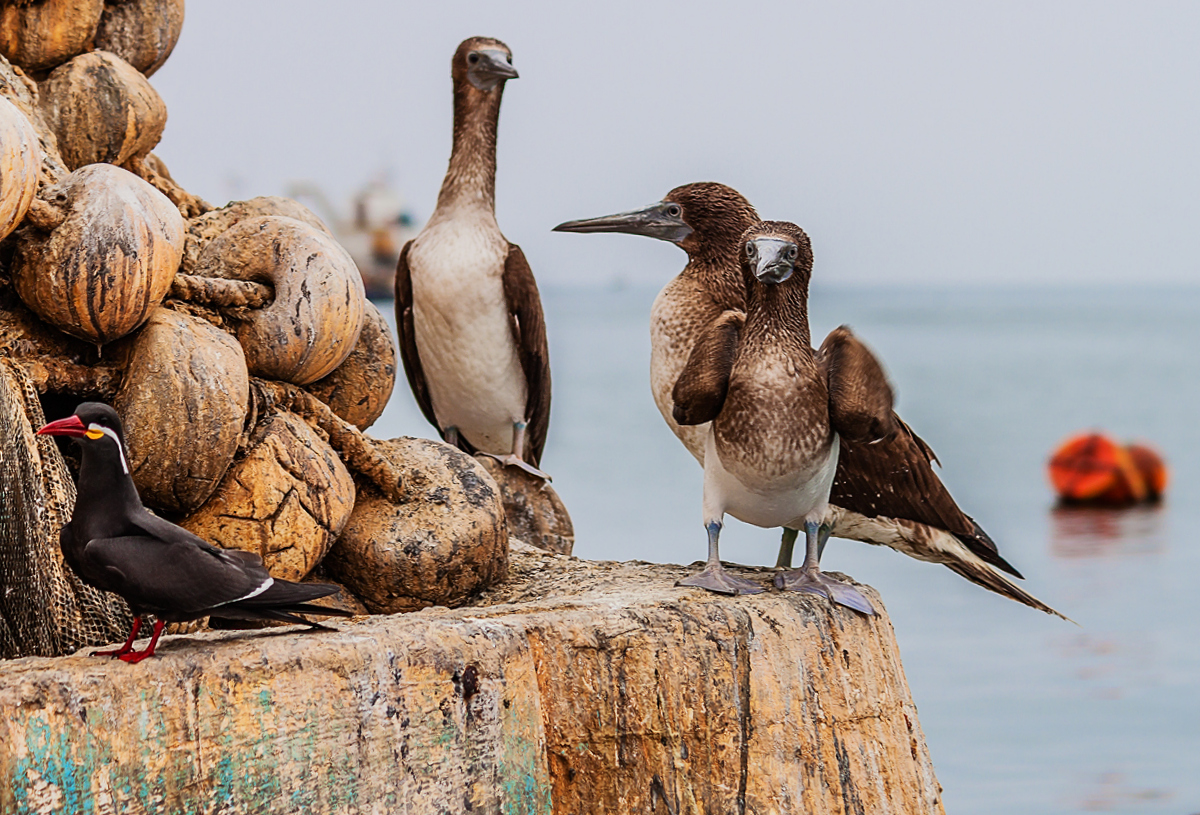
x=113, y=543
x=885, y=493
x=472, y=335
x=778, y=410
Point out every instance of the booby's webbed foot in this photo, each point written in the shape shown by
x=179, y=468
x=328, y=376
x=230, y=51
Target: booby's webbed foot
x=813, y=581
x=716, y=578
x=511, y=460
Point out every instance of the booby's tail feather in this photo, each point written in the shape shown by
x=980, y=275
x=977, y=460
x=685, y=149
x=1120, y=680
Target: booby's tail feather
x=934, y=545
x=982, y=575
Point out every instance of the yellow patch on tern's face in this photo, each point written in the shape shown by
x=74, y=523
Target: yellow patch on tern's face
x=95, y=431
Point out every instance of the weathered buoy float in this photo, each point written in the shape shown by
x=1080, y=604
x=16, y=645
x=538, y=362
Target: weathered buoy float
x=1092, y=468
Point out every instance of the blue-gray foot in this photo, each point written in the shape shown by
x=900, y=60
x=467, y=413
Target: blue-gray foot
x=512, y=460
x=813, y=581
x=716, y=578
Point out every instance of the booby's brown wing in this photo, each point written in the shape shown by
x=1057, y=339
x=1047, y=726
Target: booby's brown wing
x=407, y=330
x=702, y=386
x=894, y=478
x=860, y=398
x=529, y=333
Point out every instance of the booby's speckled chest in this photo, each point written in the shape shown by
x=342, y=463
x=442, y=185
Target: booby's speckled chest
x=680, y=313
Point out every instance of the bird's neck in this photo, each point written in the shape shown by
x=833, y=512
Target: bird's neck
x=779, y=313
x=470, y=181
x=713, y=274
x=105, y=491
x=713, y=257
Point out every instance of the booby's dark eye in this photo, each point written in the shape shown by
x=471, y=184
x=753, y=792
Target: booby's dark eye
x=510, y=59
x=473, y=58
x=751, y=249
x=674, y=211
x=791, y=253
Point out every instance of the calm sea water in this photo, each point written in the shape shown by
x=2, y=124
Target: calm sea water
x=1023, y=712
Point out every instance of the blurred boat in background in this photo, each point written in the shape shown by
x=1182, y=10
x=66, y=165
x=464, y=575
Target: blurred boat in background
x=374, y=228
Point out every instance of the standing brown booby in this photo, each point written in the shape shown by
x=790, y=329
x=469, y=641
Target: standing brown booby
x=472, y=336
x=161, y=569
x=777, y=410
x=885, y=493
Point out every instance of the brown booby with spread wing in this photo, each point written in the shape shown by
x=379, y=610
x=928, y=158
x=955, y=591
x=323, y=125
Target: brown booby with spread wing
x=885, y=493
x=113, y=543
x=777, y=411
x=472, y=335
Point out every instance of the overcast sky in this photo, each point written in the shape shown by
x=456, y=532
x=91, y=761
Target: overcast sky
x=1022, y=142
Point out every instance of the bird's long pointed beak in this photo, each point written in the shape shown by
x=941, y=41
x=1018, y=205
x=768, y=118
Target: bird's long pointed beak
x=652, y=221
x=70, y=426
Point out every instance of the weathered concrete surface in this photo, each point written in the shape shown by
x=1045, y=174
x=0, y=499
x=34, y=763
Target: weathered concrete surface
x=577, y=687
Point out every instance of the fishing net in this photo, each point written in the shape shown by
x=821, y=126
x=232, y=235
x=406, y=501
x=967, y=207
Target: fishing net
x=45, y=610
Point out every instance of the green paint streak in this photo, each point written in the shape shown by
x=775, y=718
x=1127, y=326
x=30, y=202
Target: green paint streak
x=260, y=756
x=524, y=775
x=53, y=757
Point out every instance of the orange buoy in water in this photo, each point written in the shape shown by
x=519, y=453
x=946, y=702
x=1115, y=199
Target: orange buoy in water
x=1153, y=469
x=1091, y=468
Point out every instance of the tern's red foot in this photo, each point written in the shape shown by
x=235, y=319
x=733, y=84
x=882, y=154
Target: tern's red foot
x=127, y=647
x=134, y=657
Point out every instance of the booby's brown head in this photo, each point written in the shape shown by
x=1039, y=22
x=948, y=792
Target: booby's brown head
x=705, y=219
x=483, y=63
x=716, y=213
x=775, y=251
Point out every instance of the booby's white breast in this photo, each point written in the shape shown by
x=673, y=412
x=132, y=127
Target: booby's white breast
x=768, y=499
x=462, y=324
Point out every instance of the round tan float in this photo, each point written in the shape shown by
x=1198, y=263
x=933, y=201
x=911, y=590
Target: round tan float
x=448, y=541
x=183, y=401
x=108, y=261
x=313, y=322
x=20, y=158
x=102, y=109
x=141, y=32
x=203, y=228
x=359, y=388
x=38, y=36
x=536, y=515
x=286, y=499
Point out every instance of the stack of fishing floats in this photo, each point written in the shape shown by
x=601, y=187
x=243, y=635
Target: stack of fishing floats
x=236, y=343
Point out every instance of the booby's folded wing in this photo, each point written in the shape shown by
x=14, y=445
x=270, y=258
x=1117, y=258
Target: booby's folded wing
x=860, y=398
x=894, y=478
x=160, y=576
x=700, y=390
x=406, y=328
x=529, y=334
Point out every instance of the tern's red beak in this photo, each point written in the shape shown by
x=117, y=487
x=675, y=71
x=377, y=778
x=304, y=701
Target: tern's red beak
x=70, y=426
